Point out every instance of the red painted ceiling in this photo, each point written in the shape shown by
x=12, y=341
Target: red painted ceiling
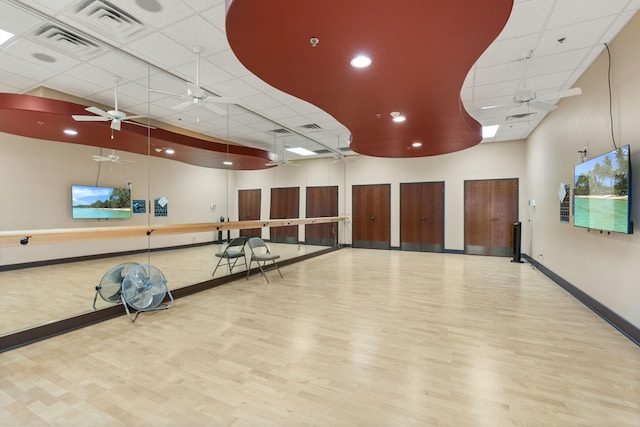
x=421, y=50
x=45, y=118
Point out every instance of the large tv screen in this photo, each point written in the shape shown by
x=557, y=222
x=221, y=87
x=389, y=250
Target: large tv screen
x=602, y=190
x=100, y=202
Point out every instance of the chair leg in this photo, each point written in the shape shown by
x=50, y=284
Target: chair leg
x=217, y=265
x=249, y=268
x=262, y=271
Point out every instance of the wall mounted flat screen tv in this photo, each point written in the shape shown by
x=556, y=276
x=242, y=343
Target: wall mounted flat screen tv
x=100, y=202
x=602, y=192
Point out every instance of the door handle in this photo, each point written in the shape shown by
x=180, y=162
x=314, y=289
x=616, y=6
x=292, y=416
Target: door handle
x=424, y=218
x=373, y=218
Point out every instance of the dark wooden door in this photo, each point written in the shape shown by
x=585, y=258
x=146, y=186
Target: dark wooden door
x=422, y=216
x=490, y=210
x=371, y=205
x=321, y=202
x=249, y=210
x=285, y=203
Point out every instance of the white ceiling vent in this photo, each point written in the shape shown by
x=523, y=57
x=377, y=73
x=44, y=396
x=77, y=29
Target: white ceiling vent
x=67, y=42
x=109, y=19
x=519, y=116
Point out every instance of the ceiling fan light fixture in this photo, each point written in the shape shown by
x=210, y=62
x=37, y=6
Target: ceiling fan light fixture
x=360, y=61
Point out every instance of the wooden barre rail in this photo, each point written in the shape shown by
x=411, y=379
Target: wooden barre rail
x=65, y=235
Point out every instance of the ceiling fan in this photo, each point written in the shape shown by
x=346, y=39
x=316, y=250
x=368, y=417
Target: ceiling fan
x=525, y=99
x=116, y=116
x=197, y=96
x=283, y=161
x=113, y=157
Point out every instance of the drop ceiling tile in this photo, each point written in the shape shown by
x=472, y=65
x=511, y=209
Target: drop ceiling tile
x=621, y=20
x=26, y=49
x=190, y=32
x=17, y=21
x=510, y=50
x=278, y=113
x=567, y=12
x=68, y=84
x=228, y=62
x=527, y=17
x=120, y=65
x=24, y=68
x=557, y=62
x=237, y=88
x=576, y=36
x=52, y=7
x=495, y=90
x=210, y=74
x=18, y=81
x=500, y=73
x=216, y=15
x=161, y=50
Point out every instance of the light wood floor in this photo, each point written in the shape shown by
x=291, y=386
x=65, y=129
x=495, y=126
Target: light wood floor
x=354, y=337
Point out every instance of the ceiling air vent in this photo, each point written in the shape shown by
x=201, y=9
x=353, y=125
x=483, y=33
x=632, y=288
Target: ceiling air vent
x=519, y=116
x=311, y=126
x=109, y=19
x=67, y=42
x=280, y=131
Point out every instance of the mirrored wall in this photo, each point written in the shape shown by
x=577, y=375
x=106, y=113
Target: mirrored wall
x=58, y=184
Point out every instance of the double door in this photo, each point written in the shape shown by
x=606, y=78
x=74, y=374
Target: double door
x=422, y=216
x=490, y=210
x=371, y=226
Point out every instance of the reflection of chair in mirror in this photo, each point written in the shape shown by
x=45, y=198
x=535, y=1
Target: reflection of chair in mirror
x=233, y=252
x=260, y=252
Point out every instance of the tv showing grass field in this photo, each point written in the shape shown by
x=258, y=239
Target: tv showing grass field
x=602, y=192
x=90, y=202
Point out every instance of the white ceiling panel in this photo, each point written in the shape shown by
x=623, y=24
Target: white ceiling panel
x=189, y=34
x=527, y=17
x=30, y=52
x=567, y=12
x=574, y=37
x=161, y=50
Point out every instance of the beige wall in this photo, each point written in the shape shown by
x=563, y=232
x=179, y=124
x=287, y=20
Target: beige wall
x=604, y=266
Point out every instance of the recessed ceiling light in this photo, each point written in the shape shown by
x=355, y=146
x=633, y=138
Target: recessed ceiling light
x=227, y=162
x=4, y=36
x=169, y=151
x=416, y=144
x=361, y=61
x=70, y=132
x=489, y=131
x=301, y=151
x=397, y=117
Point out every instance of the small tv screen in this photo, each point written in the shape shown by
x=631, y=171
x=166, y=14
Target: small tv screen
x=602, y=192
x=100, y=202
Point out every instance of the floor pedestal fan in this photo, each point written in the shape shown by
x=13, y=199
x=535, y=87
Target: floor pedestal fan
x=110, y=285
x=144, y=288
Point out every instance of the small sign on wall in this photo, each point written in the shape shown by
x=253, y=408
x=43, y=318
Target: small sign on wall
x=564, y=196
x=160, y=206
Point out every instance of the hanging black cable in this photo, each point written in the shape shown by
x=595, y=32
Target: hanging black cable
x=613, y=137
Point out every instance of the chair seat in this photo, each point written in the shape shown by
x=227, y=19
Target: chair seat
x=265, y=257
x=231, y=253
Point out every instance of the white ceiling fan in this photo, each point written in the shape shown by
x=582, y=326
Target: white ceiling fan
x=197, y=96
x=116, y=116
x=525, y=99
x=113, y=157
x=283, y=161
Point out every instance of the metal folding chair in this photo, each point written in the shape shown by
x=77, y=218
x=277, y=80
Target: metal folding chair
x=232, y=253
x=260, y=253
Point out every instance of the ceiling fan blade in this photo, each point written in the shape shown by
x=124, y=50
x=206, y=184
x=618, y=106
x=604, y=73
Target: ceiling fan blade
x=562, y=94
x=180, y=95
x=182, y=105
x=115, y=124
x=90, y=118
x=215, y=109
x=98, y=111
x=542, y=106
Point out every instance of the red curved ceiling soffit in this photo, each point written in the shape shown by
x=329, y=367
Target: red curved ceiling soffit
x=421, y=50
x=46, y=119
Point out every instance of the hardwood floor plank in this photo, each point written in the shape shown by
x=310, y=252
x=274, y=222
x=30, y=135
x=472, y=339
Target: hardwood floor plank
x=354, y=337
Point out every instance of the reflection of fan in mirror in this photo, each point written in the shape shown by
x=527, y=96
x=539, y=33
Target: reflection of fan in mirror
x=116, y=116
x=113, y=157
x=144, y=288
x=198, y=96
x=110, y=285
